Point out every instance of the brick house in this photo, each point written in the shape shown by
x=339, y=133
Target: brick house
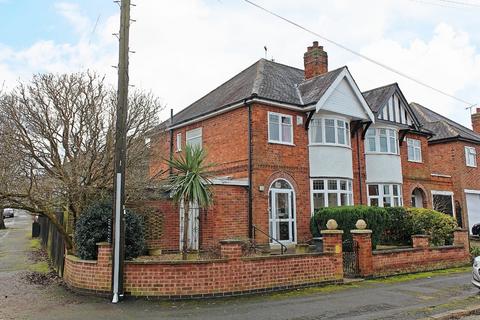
x=287, y=141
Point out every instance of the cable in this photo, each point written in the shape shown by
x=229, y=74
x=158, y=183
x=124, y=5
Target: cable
x=468, y=4
x=437, y=4
x=359, y=54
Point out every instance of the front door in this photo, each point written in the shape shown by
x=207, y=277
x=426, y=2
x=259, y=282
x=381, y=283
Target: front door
x=282, y=219
x=193, y=227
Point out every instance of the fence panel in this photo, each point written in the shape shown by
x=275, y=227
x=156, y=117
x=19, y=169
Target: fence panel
x=53, y=242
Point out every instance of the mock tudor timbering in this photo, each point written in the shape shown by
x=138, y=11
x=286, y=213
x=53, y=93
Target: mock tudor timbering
x=326, y=144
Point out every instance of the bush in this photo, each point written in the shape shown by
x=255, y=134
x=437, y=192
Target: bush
x=397, y=227
x=93, y=227
x=438, y=225
x=347, y=217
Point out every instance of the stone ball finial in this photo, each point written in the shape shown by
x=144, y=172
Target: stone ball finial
x=332, y=224
x=361, y=224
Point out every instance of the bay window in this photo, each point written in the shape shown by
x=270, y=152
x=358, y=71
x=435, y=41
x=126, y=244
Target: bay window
x=280, y=128
x=329, y=131
x=381, y=140
x=385, y=195
x=331, y=193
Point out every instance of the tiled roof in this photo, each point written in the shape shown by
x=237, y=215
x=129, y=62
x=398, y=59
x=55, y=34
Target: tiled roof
x=442, y=127
x=378, y=97
x=265, y=79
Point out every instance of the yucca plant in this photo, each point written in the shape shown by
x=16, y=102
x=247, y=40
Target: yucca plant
x=190, y=183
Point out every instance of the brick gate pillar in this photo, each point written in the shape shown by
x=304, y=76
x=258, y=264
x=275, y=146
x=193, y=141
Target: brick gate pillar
x=332, y=241
x=362, y=239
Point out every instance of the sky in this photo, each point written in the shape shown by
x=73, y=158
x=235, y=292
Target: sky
x=186, y=48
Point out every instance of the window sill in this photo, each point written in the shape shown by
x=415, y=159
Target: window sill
x=329, y=145
x=415, y=161
x=470, y=166
x=282, y=143
x=383, y=153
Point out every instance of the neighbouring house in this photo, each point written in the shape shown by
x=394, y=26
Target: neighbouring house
x=287, y=141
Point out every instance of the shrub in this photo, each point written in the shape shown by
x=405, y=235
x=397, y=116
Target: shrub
x=438, y=225
x=93, y=227
x=397, y=226
x=475, y=252
x=347, y=217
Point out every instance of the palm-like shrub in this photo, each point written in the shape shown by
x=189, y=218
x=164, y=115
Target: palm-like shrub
x=189, y=184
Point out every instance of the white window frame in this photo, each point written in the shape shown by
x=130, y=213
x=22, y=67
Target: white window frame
x=445, y=193
x=194, y=134
x=376, y=136
x=326, y=191
x=411, y=145
x=470, y=152
x=280, y=128
x=292, y=219
x=381, y=194
x=179, y=142
x=345, y=128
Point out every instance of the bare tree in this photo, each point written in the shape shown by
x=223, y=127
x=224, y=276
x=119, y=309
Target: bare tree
x=58, y=133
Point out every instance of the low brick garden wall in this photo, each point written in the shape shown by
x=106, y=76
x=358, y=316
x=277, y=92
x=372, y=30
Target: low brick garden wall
x=420, y=257
x=233, y=274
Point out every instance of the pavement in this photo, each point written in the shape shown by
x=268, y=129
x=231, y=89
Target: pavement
x=411, y=297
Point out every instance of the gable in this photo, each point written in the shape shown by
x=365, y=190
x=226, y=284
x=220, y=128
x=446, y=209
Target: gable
x=396, y=110
x=344, y=97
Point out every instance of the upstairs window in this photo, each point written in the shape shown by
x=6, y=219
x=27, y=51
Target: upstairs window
x=414, y=149
x=194, y=138
x=381, y=140
x=329, y=131
x=280, y=128
x=471, y=156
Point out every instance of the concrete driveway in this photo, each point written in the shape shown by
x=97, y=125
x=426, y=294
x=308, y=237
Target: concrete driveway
x=393, y=298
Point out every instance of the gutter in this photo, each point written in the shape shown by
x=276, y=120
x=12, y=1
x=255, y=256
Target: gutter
x=253, y=98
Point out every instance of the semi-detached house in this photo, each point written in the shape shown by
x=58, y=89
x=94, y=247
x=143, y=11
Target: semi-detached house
x=287, y=141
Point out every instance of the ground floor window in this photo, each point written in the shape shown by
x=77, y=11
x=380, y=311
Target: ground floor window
x=443, y=202
x=330, y=192
x=385, y=195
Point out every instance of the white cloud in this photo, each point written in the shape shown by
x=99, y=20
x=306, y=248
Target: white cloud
x=184, y=49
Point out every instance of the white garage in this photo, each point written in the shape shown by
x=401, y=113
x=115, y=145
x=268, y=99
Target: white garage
x=473, y=207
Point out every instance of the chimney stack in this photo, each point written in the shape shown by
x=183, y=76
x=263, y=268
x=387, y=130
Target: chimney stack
x=315, y=61
x=476, y=121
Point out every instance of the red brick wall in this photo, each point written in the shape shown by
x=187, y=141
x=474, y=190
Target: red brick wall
x=224, y=137
x=226, y=218
x=419, y=258
x=359, y=193
x=449, y=158
x=272, y=161
x=418, y=175
x=232, y=274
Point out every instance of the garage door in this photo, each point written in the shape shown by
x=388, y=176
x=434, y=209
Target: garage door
x=473, y=209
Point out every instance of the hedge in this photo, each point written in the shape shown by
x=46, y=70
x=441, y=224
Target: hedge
x=93, y=227
x=347, y=217
x=393, y=225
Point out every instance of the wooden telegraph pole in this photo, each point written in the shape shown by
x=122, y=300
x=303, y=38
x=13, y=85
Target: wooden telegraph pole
x=120, y=156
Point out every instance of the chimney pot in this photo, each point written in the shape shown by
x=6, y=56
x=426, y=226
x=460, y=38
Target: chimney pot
x=478, y=110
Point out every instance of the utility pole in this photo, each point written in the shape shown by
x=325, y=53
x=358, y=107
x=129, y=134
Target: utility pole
x=120, y=155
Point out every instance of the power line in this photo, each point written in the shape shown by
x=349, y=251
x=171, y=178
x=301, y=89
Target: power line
x=359, y=54
x=468, y=4
x=437, y=4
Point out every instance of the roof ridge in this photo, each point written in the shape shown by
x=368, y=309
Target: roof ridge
x=258, y=76
x=282, y=64
x=382, y=87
